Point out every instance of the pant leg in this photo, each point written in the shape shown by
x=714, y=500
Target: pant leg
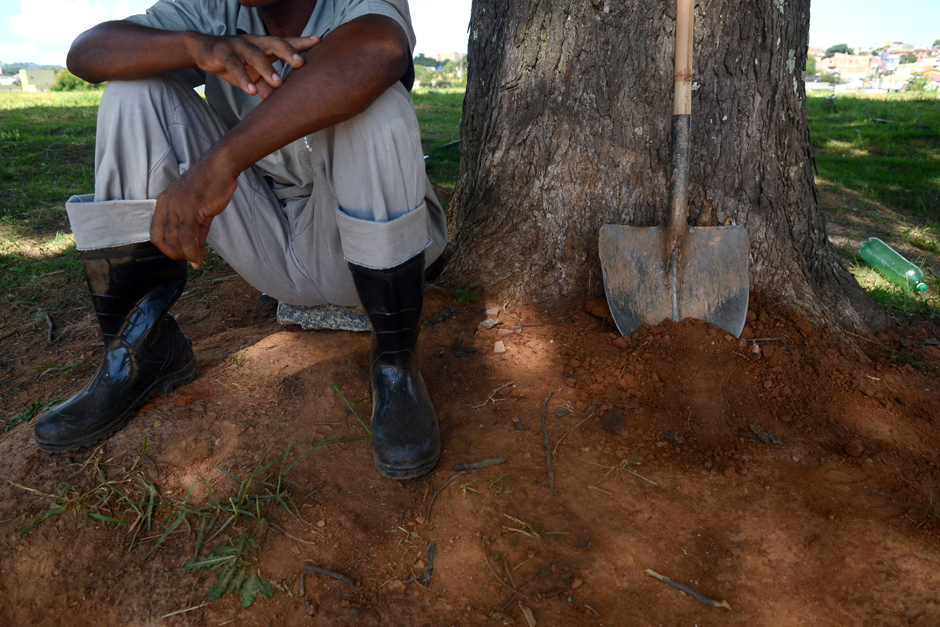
x=372, y=203
x=371, y=182
x=149, y=132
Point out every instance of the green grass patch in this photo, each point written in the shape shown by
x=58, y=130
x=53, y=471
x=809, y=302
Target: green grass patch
x=48, y=144
x=439, y=114
x=896, y=162
x=28, y=413
x=102, y=491
x=924, y=238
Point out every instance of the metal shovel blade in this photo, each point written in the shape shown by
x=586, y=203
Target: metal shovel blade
x=710, y=283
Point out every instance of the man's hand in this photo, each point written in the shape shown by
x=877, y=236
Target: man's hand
x=246, y=61
x=185, y=211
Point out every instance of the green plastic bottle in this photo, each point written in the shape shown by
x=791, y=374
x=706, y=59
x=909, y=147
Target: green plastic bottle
x=893, y=266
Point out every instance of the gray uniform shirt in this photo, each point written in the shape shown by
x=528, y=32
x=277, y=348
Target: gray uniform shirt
x=289, y=167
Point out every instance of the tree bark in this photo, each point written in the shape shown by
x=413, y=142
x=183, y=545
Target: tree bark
x=566, y=128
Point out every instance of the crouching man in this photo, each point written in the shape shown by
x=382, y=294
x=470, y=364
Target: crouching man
x=302, y=168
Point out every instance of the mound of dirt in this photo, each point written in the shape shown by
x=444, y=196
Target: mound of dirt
x=788, y=473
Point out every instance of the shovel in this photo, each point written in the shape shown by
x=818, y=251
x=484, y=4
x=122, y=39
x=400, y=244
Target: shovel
x=672, y=271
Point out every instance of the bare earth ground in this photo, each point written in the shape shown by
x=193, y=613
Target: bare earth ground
x=832, y=526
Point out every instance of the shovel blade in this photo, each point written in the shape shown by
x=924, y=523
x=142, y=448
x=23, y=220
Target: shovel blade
x=714, y=282
x=711, y=282
x=636, y=279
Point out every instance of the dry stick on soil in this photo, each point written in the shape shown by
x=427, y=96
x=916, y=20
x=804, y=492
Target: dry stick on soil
x=865, y=338
x=689, y=591
x=428, y=564
x=184, y=611
x=427, y=518
x=546, y=324
x=486, y=560
x=291, y=536
x=330, y=573
x=529, y=617
x=51, y=327
x=767, y=339
x=483, y=463
x=303, y=592
x=541, y=575
x=491, y=399
x=548, y=448
x=555, y=450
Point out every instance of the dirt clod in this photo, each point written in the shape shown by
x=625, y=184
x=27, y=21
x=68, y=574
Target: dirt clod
x=854, y=448
x=612, y=422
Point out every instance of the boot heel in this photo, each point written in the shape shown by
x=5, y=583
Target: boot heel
x=179, y=378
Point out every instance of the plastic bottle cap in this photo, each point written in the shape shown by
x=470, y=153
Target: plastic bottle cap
x=921, y=287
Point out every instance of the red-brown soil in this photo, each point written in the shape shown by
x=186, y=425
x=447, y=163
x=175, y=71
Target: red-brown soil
x=833, y=527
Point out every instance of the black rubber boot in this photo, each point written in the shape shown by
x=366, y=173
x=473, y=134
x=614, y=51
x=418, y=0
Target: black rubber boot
x=406, y=437
x=145, y=352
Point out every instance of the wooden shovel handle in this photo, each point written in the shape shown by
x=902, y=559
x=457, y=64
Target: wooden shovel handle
x=682, y=102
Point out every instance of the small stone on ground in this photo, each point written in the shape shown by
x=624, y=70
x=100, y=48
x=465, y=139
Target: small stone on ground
x=325, y=317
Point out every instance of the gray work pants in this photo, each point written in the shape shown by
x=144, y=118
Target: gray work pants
x=371, y=203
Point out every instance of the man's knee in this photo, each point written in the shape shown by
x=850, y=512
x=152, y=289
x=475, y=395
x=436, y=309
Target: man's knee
x=137, y=93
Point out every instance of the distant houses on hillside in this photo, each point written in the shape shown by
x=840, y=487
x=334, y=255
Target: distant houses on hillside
x=29, y=80
x=456, y=57
x=37, y=80
x=882, y=69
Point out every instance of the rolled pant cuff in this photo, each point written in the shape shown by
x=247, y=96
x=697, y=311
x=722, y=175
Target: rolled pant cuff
x=109, y=223
x=383, y=245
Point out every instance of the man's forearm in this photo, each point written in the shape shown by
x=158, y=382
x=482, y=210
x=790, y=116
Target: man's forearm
x=341, y=77
x=124, y=50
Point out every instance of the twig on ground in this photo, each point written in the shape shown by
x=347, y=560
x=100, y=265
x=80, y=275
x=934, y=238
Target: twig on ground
x=428, y=564
x=555, y=450
x=291, y=536
x=546, y=324
x=6, y=335
x=53, y=273
x=548, y=448
x=689, y=591
x=51, y=327
x=541, y=575
x=183, y=611
x=434, y=498
x=601, y=490
x=303, y=592
x=529, y=616
x=491, y=399
x=483, y=463
x=865, y=338
x=330, y=573
x=486, y=559
x=767, y=339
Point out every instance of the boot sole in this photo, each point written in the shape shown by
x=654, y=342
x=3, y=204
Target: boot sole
x=164, y=385
x=410, y=472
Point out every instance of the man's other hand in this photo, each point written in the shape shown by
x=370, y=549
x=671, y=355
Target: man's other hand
x=246, y=61
x=186, y=208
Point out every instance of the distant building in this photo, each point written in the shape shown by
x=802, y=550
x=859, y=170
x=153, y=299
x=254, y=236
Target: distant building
x=852, y=64
x=816, y=51
x=37, y=80
x=456, y=57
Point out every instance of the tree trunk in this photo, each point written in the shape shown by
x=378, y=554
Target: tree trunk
x=566, y=128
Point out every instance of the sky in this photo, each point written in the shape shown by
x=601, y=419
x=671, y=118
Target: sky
x=41, y=30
